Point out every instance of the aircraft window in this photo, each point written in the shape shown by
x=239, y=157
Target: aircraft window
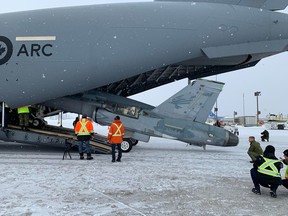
x=130, y=111
x=109, y=107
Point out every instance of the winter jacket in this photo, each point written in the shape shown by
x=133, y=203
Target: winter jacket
x=116, y=132
x=268, y=178
x=84, y=129
x=255, y=147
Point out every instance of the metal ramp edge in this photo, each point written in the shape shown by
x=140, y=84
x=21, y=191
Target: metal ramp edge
x=98, y=142
x=56, y=136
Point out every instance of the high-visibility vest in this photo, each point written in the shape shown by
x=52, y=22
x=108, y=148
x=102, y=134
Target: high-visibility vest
x=116, y=132
x=273, y=171
x=286, y=173
x=84, y=127
x=24, y=109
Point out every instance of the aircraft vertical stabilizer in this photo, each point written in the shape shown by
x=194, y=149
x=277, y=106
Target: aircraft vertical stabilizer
x=194, y=102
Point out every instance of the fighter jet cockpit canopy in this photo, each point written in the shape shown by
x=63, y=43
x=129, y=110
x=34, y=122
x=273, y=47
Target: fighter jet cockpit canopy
x=125, y=110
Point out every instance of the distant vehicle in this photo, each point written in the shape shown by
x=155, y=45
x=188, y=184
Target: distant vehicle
x=275, y=122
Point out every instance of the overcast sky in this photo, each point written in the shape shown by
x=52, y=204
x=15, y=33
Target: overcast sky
x=269, y=76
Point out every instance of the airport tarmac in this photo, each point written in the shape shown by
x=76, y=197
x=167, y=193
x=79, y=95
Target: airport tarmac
x=162, y=177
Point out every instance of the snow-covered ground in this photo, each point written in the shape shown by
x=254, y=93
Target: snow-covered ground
x=163, y=177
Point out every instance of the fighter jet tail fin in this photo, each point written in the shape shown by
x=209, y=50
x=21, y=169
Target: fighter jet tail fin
x=264, y=4
x=193, y=102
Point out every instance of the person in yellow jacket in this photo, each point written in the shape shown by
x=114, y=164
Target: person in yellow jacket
x=285, y=161
x=23, y=114
x=115, y=137
x=84, y=131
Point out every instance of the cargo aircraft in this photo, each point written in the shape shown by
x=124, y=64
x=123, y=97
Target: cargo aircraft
x=66, y=58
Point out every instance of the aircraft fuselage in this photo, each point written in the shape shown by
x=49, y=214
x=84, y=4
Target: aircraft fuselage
x=47, y=54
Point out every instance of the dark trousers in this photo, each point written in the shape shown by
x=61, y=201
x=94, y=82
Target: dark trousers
x=258, y=181
x=80, y=146
x=113, y=146
x=263, y=138
x=285, y=183
x=24, y=119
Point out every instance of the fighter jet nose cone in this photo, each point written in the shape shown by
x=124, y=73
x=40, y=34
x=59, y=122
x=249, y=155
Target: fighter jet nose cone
x=233, y=140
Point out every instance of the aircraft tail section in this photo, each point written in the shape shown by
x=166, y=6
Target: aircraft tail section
x=193, y=102
x=265, y=4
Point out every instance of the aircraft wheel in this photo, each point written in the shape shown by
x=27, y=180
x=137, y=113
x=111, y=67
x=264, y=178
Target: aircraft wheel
x=37, y=123
x=126, y=145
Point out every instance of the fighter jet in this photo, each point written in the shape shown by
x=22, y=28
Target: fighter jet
x=181, y=117
x=127, y=48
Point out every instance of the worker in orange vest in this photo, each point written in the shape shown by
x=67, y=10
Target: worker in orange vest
x=84, y=131
x=115, y=137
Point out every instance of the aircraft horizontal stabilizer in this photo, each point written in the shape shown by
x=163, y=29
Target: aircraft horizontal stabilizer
x=274, y=46
x=194, y=102
x=265, y=4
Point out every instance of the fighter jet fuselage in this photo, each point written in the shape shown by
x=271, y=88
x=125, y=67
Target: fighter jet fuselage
x=52, y=53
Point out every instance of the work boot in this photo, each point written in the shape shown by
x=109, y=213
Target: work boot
x=273, y=194
x=256, y=191
x=81, y=156
x=89, y=157
x=118, y=160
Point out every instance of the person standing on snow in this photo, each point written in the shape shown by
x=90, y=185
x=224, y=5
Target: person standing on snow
x=254, y=149
x=84, y=130
x=115, y=137
x=266, y=172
